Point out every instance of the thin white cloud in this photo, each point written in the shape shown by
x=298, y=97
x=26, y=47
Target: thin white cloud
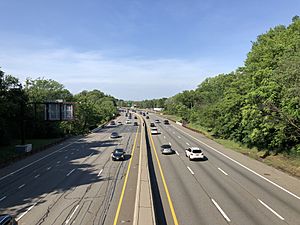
x=129, y=78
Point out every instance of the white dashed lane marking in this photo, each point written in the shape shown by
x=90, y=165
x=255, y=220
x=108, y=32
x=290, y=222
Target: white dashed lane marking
x=222, y=171
x=21, y=186
x=70, y=172
x=100, y=172
x=272, y=210
x=220, y=210
x=192, y=172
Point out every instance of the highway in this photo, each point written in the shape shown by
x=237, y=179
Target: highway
x=75, y=182
x=220, y=189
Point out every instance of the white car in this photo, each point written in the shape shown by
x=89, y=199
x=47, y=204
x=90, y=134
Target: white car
x=154, y=130
x=194, y=153
x=128, y=122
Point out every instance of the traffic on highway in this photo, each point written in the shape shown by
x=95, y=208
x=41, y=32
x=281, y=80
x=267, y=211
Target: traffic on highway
x=94, y=179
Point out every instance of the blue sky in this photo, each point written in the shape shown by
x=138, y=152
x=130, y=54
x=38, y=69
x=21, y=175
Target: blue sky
x=133, y=49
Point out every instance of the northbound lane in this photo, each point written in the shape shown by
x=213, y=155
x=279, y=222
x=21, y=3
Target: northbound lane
x=218, y=190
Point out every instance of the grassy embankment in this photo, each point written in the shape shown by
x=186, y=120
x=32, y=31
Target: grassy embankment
x=287, y=163
x=8, y=153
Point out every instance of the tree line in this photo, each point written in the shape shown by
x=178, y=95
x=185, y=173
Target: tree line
x=258, y=104
x=91, y=108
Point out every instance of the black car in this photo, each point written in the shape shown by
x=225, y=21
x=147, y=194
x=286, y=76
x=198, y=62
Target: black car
x=118, y=154
x=113, y=123
x=135, y=117
x=152, y=125
x=166, y=122
x=135, y=124
x=147, y=117
x=114, y=135
x=6, y=219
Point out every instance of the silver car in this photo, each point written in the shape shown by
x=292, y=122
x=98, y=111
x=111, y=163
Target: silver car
x=167, y=149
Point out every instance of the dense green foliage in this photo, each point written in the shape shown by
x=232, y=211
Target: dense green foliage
x=91, y=109
x=259, y=103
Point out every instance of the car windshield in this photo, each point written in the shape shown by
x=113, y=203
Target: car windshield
x=118, y=151
x=197, y=151
x=166, y=146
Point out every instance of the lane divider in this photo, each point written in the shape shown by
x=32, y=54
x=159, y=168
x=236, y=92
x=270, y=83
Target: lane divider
x=1, y=199
x=138, y=189
x=70, y=172
x=269, y=208
x=164, y=182
x=240, y=164
x=21, y=186
x=220, y=210
x=222, y=171
x=192, y=172
x=125, y=181
x=100, y=172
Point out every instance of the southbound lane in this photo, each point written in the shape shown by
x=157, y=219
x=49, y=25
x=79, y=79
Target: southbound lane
x=75, y=182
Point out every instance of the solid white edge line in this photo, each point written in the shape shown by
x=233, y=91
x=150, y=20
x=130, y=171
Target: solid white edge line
x=192, y=172
x=1, y=199
x=100, y=172
x=177, y=153
x=250, y=170
x=269, y=208
x=70, y=172
x=70, y=217
x=24, y=213
x=220, y=210
x=222, y=171
x=24, y=167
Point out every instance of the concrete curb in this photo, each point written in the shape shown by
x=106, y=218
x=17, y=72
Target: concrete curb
x=144, y=209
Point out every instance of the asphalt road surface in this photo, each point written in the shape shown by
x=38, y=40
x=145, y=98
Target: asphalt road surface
x=75, y=182
x=219, y=189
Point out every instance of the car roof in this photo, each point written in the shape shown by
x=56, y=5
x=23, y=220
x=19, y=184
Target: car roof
x=119, y=150
x=195, y=148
